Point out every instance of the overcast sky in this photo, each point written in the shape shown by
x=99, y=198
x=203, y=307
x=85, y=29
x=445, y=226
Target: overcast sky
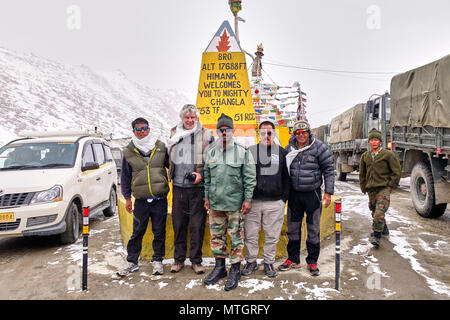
x=160, y=43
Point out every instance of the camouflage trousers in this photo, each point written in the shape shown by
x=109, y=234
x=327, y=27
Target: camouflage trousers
x=221, y=223
x=379, y=199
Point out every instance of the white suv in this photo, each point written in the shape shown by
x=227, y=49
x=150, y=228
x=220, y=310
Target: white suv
x=46, y=180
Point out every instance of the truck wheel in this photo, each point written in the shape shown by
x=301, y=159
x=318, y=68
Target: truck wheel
x=422, y=192
x=72, y=225
x=112, y=209
x=342, y=176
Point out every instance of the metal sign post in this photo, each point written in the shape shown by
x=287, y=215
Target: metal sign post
x=85, y=246
x=338, y=243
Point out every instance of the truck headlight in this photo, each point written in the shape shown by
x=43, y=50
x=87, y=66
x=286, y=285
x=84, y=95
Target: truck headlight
x=51, y=195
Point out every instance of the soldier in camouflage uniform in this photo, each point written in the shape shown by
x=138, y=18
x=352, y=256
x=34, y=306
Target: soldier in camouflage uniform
x=230, y=177
x=379, y=173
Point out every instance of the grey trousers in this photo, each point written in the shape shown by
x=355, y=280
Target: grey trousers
x=269, y=215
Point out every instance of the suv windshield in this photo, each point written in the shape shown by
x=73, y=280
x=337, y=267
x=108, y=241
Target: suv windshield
x=37, y=155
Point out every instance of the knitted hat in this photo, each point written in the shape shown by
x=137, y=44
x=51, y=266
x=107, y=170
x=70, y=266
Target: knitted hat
x=225, y=120
x=375, y=134
x=301, y=125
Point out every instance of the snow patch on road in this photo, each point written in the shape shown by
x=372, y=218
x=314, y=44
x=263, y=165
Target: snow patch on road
x=314, y=293
x=256, y=285
x=193, y=283
x=404, y=249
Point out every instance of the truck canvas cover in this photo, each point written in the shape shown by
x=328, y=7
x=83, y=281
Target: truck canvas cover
x=348, y=125
x=421, y=97
x=319, y=132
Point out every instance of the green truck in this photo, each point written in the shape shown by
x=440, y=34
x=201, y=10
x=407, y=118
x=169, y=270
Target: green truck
x=420, y=125
x=349, y=131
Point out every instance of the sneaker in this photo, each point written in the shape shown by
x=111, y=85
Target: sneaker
x=313, y=269
x=288, y=265
x=157, y=268
x=269, y=270
x=249, y=268
x=375, y=239
x=198, y=268
x=177, y=266
x=130, y=268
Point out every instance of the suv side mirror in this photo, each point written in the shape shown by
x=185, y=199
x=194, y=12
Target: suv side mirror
x=90, y=166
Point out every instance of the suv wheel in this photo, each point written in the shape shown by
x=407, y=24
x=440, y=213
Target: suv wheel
x=72, y=225
x=112, y=209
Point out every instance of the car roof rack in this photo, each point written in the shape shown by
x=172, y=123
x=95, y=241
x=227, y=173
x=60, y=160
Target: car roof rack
x=61, y=133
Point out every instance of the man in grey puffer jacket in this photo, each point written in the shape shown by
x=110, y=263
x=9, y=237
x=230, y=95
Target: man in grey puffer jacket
x=308, y=160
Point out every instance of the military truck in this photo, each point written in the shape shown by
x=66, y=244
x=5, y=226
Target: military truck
x=421, y=133
x=322, y=133
x=349, y=132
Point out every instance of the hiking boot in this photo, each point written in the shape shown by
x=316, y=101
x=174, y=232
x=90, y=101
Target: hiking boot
x=249, y=268
x=177, y=266
x=313, y=269
x=130, y=268
x=375, y=239
x=288, y=265
x=218, y=272
x=385, y=230
x=269, y=270
x=198, y=268
x=233, y=277
x=157, y=268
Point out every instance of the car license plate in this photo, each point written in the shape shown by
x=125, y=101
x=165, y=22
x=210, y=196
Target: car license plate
x=7, y=217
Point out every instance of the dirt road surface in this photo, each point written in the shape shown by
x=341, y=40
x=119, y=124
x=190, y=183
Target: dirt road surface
x=412, y=263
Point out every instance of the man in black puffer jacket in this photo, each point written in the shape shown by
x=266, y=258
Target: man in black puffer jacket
x=308, y=160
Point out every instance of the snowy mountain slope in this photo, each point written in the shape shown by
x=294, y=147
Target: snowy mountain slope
x=38, y=94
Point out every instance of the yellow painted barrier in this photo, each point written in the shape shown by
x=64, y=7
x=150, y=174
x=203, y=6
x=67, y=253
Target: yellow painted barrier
x=327, y=223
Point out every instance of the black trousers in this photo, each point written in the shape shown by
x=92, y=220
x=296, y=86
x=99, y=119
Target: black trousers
x=143, y=211
x=188, y=212
x=299, y=204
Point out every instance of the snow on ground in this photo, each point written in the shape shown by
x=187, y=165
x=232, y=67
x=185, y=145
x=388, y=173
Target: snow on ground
x=358, y=203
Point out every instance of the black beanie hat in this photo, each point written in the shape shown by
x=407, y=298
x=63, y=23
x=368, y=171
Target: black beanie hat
x=225, y=120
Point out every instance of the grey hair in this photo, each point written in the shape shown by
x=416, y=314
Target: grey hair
x=188, y=109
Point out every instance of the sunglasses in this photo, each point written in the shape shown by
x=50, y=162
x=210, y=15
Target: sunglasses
x=142, y=128
x=266, y=133
x=222, y=130
x=298, y=132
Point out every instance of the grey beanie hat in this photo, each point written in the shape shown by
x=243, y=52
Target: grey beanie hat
x=225, y=120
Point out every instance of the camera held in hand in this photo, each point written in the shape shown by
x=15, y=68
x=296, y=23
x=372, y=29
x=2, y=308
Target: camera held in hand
x=190, y=176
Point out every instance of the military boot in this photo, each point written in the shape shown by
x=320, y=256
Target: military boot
x=234, y=277
x=375, y=238
x=218, y=272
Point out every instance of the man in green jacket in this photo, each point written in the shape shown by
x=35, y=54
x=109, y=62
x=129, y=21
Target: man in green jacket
x=230, y=177
x=379, y=173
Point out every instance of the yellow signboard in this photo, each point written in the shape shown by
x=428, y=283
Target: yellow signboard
x=224, y=86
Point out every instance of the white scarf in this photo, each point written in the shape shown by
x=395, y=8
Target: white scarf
x=292, y=154
x=146, y=144
x=181, y=132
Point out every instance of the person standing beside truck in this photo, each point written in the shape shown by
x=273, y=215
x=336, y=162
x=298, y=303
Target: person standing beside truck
x=187, y=147
x=309, y=163
x=144, y=176
x=379, y=174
